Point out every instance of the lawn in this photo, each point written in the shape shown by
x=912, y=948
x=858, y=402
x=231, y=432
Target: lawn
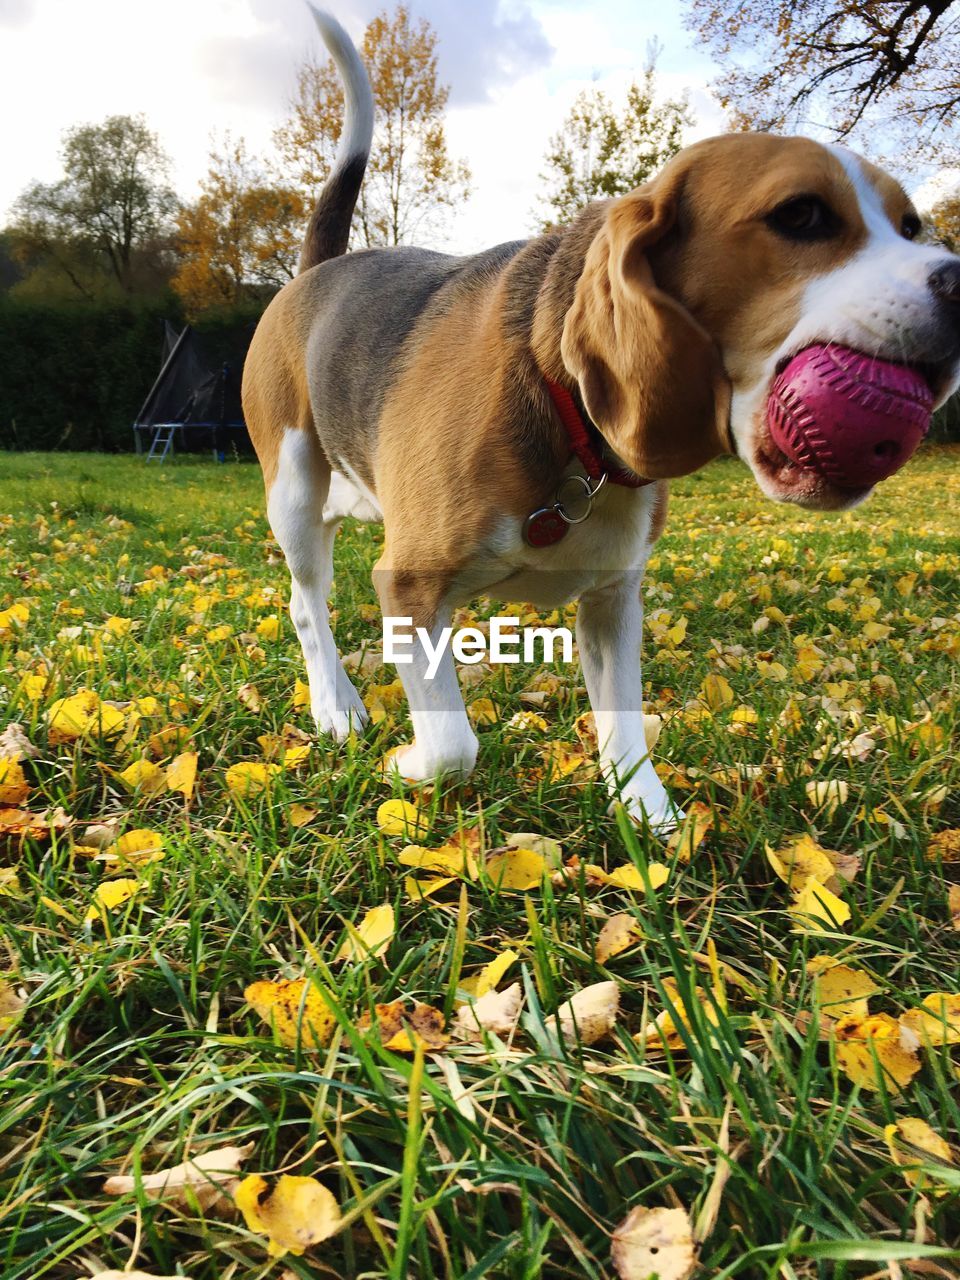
x=805, y=670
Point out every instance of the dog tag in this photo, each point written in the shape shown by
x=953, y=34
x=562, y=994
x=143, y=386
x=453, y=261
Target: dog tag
x=544, y=527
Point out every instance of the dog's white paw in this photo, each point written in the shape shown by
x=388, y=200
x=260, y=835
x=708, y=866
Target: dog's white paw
x=658, y=812
x=345, y=714
x=413, y=764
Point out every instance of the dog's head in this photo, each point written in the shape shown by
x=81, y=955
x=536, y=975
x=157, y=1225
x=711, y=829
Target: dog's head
x=702, y=286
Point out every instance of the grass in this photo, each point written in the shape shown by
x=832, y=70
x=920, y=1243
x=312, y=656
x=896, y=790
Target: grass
x=514, y=1158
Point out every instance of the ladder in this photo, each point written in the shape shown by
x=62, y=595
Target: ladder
x=162, y=442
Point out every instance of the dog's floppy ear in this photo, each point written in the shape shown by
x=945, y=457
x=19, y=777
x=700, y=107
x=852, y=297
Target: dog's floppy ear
x=650, y=375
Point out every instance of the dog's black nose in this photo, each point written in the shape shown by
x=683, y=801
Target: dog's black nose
x=944, y=281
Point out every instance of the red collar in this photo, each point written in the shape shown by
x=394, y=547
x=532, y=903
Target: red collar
x=582, y=445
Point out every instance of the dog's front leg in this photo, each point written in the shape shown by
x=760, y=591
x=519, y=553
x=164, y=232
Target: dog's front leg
x=443, y=739
x=609, y=634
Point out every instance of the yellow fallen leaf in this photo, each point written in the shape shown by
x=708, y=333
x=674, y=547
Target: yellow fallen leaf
x=536, y=843
x=936, y=1020
x=207, y=1179
x=690, y=834
x=799, y=860
x=663, y=1031
x=401, y=818
x=268, y=628
x=294, y=1214
x=716, y=692
x=298, y=815
x=522, y=723
x=81, y=714
x=14, y=787
x=619, y=933
x=590, y=1014
x=816, y=909
x=875, y=1049
x=490, y=975
x=296, y=1011
x=292, y=757
x=404, y=1026
x=182, y=774
x=301, y=695
x=495, y=1011
x=111, y=894
x=843, y=992
x=482, y=711
x=629, y=875
x=654, y=1243
x=562, y=759
x=516, y=869
x=138, y=847
x=9, y=883
x=420, y=888
x=449, y=860
x=143, y=776
x=917, y=1133
x=250, y=778
x=371, y=937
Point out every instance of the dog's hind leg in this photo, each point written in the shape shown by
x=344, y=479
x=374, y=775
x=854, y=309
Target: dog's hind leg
x=295, y=509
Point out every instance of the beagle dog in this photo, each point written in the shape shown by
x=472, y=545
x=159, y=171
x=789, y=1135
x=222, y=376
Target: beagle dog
x=480, y=406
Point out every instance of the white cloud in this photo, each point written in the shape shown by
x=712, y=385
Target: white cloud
x=200, y=67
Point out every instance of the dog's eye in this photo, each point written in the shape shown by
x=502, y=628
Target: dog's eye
x=910, y=226
x=804, y=218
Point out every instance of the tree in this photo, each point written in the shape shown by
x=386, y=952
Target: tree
x=599, y=152
x=943, y=222
x=410, y=176
x=106, y=214
x=241, y=238
x=880, y=71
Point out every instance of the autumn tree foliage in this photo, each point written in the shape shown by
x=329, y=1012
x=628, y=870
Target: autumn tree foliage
x=943, y=222
x=103, y=223
x=411, y=177
x=240, y=240
x=878, y=71
x=600, y=151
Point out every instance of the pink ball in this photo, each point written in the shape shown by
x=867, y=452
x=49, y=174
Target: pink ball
x=854, y=419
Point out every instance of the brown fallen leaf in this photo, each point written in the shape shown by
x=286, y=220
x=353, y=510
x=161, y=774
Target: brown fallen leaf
x=590, y=1014
x=134, y=1275
x=945, y=845
x=208, y=1179
x=12, y=1002
x=497, y=1011
x=404, y=1026
x=17, y=825
x=654, y=1242
x=953, y=904
x=250, y=696
x=15, y=744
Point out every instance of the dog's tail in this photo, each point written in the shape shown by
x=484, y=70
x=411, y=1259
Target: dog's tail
x=329, y=227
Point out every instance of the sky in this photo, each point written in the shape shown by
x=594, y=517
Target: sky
x=198, y=68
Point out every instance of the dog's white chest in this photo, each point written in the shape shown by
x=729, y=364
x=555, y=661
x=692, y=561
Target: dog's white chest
x=613, y=540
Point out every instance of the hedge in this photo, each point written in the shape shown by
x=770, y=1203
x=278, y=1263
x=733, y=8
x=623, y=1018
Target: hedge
x=74, y=378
